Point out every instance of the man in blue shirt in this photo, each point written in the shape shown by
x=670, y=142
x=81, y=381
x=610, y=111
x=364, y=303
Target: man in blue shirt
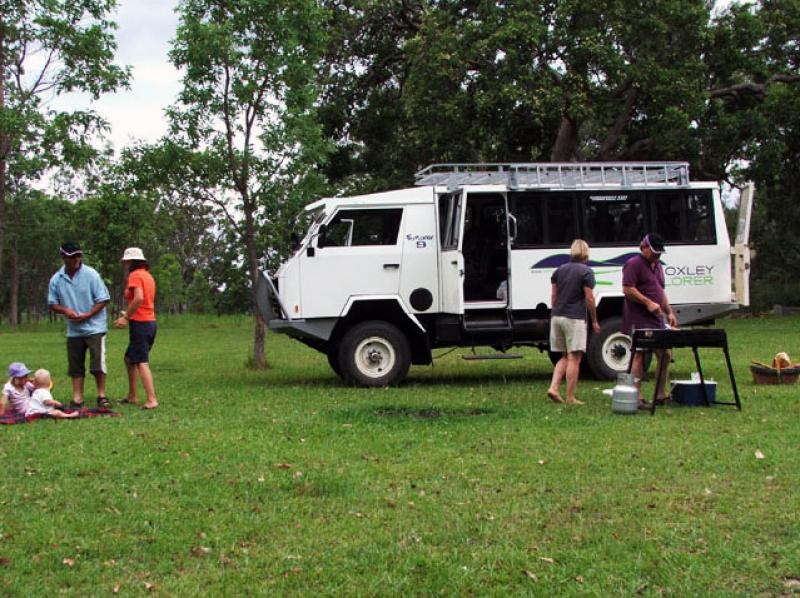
x=78, y=293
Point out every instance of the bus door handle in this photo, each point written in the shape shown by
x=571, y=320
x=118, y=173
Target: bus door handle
x=391, y=266
x=513, y=227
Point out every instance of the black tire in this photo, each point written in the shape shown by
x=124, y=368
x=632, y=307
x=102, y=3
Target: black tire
x=609, y=352
x=374, y=353
x=333, y=360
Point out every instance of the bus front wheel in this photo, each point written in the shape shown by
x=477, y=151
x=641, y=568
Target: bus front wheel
x=374, y=353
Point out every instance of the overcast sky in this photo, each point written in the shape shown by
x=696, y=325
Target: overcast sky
x=146, y=28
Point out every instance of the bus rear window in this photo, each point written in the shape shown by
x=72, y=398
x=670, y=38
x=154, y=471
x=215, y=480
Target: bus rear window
x=684, y=216
x=700, y=216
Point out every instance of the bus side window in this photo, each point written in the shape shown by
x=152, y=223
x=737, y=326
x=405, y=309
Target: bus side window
x=560, y=219
x=364, y=227
x=667, y=207
x=449, y=220
x=600, y=227
x=614, y=217
x=527, y=209
x=544, y=218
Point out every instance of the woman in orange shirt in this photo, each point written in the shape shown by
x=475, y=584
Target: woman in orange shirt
x=140, y=317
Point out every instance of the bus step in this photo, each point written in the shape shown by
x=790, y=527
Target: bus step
x=478, y=357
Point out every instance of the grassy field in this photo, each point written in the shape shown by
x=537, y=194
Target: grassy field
x=464, y=481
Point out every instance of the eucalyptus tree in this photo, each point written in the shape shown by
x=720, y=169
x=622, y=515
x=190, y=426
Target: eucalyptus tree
x=173, y=178
x=754, y=114
x=246, y=109
x=416, y=81
x=50, y=48
x=410, y=82
x=36, y=226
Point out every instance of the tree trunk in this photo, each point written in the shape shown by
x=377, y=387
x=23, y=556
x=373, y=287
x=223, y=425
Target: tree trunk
x=615, y=132
x=2, y=200
x=13, y=303
x=567, y=137
x=4, y=143
x=259, y=352
x=566, y=140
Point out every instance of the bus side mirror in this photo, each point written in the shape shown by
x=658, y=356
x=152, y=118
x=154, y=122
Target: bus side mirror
x=321, y=236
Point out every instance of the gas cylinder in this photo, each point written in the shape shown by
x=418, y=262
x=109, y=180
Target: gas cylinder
x=625, y=396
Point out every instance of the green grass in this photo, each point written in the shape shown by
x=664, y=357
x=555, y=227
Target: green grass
x=464, y=481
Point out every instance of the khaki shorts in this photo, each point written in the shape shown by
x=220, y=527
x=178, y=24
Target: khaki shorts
x=567, y=335
x=76, y=355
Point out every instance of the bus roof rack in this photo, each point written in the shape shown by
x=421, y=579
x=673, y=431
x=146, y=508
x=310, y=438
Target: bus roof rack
x=553, y=175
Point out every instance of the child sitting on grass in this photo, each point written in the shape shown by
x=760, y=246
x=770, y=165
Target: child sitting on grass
x=17, y=390
x=42, y=401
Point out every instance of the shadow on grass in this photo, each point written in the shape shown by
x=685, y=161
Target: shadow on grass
x=429, y=380
x=398, y=414
x=431, y=412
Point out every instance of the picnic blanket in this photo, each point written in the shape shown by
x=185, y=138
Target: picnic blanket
x=11, y=416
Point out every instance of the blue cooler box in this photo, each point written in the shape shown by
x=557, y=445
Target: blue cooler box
x=690, y=393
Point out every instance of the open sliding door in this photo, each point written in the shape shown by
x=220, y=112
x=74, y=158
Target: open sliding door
x=451, y=260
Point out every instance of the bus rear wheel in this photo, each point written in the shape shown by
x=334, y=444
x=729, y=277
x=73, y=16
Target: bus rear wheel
x=374, y=353
x=609, y=352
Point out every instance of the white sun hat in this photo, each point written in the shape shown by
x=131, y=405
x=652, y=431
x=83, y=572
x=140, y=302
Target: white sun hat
x=133, y=253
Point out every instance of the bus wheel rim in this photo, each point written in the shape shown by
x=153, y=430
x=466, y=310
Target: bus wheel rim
x=375, y=357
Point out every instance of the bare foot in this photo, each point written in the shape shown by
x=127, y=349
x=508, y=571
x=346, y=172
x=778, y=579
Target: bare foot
x=574, y=401
x=554, y=396
x=150, y=405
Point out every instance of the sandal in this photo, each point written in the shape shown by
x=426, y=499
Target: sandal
x=74, y=405
x=103, y=402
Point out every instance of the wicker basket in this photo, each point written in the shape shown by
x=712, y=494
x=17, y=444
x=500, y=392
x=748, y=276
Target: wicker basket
x=764, y=374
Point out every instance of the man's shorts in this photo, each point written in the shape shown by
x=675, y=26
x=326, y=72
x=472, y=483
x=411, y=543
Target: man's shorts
x=567, y=335
x=141, y=336
x=76, y=355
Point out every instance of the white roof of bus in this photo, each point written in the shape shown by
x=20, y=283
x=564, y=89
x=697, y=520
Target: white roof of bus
x=426, y=194
x=396, y=197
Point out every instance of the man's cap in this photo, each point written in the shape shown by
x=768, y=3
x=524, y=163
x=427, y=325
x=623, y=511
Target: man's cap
x=655, y=242
x=133, y=253
x=18, y=370
x=70, y=249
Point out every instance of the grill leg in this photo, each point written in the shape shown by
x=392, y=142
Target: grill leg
x=702, y=378
x=662, y=363
x=733, y=379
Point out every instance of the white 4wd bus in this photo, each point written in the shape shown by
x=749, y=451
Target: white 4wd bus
x=464, y=258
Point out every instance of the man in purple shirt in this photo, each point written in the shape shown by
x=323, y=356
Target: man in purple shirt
x=646, y=306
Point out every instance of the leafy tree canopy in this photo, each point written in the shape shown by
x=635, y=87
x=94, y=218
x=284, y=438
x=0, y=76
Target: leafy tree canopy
x=49, y=48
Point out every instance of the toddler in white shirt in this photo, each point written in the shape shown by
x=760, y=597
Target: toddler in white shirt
x=42, y=401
